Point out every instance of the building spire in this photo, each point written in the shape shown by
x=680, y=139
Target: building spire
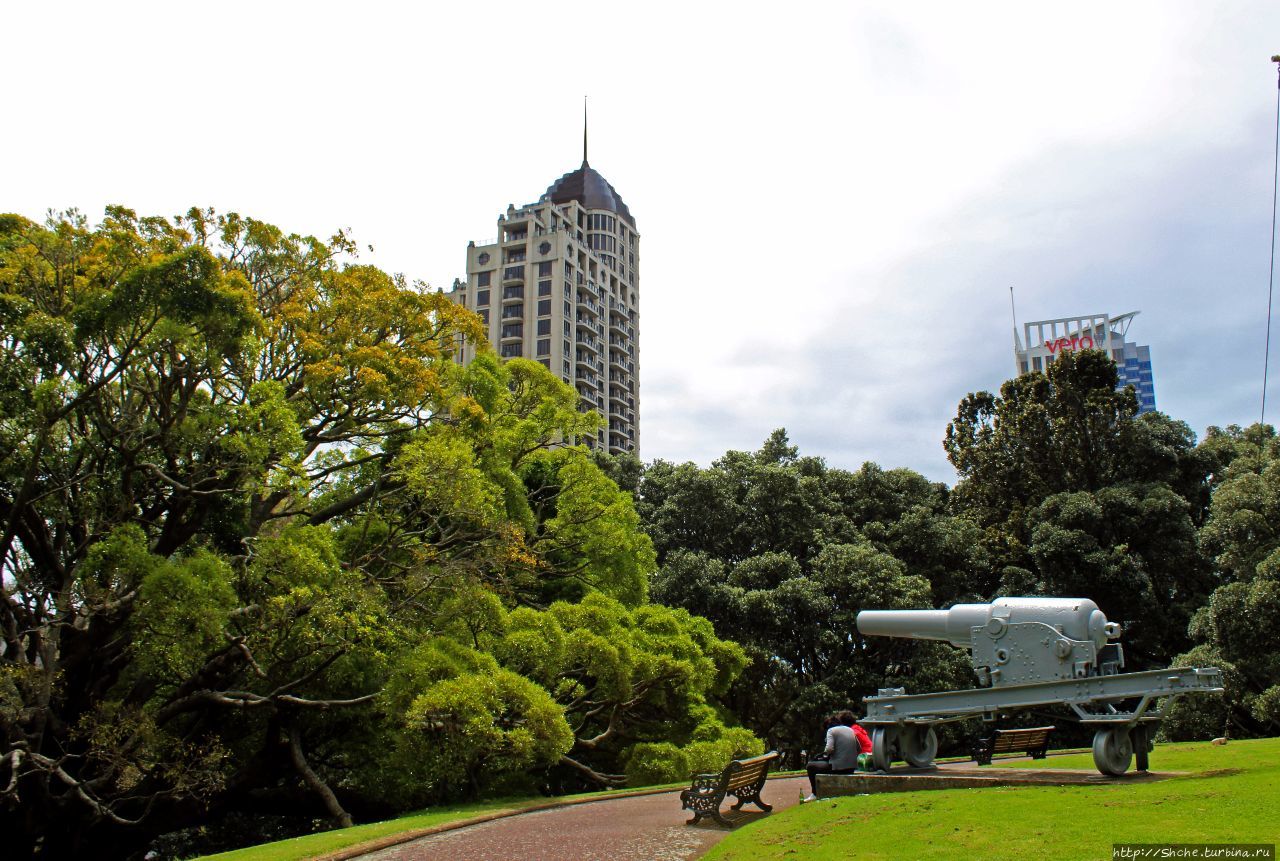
x=584, y=129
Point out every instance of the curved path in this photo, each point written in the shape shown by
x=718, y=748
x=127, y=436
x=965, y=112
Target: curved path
x=638, y=828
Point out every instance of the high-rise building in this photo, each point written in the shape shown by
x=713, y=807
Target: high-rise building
x=1045, y=339
x=561, y=285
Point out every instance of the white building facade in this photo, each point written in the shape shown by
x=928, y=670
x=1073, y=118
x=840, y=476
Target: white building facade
x=561, y=285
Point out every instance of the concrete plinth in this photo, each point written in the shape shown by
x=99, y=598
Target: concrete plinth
x=917, y=780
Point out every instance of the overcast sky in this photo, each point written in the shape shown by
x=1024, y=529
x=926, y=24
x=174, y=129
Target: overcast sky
x=833, y=199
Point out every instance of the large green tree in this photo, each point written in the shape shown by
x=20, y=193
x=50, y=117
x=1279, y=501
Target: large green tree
x=1236, y=629
x=255, y=516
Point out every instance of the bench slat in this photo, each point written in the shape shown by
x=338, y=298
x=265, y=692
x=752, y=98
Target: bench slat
x=745, y=777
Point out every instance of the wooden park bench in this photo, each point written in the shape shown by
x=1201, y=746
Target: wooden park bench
x=1034, y=742
x=742, y=778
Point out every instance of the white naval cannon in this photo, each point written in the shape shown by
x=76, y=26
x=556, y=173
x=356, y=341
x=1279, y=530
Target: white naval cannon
x=1027, y=653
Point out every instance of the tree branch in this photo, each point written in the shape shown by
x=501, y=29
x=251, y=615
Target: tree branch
x=318, y=786
x=606, y=780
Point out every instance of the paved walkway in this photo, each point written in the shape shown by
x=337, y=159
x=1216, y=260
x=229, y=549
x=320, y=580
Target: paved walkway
x=652, y=827
x=641, y=828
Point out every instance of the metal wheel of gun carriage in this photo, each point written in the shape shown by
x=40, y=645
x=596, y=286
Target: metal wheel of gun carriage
x=1028, y=653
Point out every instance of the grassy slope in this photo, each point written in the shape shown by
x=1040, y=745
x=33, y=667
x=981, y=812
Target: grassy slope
x=1231, y=796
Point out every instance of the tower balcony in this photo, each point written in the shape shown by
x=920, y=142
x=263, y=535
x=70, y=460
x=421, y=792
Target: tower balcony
x=513, y=275
x=585, y=322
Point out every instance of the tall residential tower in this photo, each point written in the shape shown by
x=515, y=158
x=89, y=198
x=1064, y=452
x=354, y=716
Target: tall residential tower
x=561, y=285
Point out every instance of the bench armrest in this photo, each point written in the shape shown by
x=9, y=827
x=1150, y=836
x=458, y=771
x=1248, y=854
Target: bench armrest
x=705, y=782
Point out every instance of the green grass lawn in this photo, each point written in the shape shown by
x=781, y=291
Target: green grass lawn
x=1230, y=795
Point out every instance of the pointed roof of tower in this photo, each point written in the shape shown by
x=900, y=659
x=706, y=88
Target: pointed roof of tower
x=592, y=190
x=587, y=186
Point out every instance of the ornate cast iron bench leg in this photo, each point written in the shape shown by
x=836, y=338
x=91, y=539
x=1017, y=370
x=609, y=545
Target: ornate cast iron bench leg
x=752, y=795
x=703, y=804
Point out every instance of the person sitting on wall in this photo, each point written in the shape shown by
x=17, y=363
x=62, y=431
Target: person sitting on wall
x=845, y=740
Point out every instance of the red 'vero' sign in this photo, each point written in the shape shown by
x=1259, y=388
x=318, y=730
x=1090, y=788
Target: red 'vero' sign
x=1075, y=342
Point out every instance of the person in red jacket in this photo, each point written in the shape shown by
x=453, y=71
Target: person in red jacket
x=864, y=740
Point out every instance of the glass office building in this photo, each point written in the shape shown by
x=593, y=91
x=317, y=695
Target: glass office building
x=1043, y=340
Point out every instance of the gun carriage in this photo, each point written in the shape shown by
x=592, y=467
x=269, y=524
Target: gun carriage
x=1028, y=653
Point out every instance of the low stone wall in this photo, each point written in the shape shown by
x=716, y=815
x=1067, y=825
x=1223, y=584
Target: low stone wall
x=954, y=778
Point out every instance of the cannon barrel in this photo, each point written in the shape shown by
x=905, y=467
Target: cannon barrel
x=954, y=625
x=1077, y=618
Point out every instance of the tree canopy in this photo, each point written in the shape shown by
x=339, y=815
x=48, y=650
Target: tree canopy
x=783, y=553
x=262, y=530
x=1236, y=629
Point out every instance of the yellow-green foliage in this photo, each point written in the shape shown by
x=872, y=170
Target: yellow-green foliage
x=711, y=747
x=483, y=725
x=441, y=469
x=116, y=565
x=534, y=645
x=648, y=763
x=434, y=660
x=181, y=610
x=595, y=531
